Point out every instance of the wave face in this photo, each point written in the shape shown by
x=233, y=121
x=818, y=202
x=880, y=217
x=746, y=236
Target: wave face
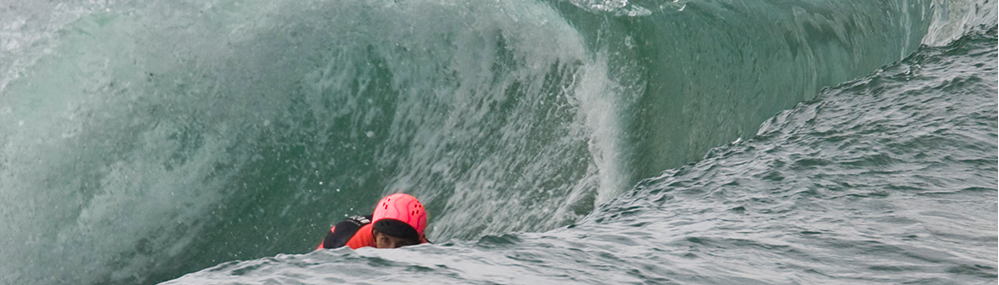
x=887, y=179
x=143, y=141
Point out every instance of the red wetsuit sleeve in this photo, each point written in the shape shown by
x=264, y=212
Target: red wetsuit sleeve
x=362, y=238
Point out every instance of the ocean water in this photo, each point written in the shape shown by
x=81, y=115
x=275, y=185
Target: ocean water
x=577, y=141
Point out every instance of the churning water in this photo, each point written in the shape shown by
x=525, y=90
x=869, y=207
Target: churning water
x=574, y=141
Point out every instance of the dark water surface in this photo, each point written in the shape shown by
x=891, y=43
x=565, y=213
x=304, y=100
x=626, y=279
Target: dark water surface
x=701, y=142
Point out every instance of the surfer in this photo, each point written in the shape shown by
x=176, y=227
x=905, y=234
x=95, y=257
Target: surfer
x=399, y=220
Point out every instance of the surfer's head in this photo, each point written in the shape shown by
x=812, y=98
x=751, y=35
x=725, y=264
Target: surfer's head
x=399, y=220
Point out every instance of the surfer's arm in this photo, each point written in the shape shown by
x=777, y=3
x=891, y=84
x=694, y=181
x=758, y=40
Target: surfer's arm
x=343, y=231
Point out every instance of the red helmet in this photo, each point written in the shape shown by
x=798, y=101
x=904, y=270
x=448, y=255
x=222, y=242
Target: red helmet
x=403, y=208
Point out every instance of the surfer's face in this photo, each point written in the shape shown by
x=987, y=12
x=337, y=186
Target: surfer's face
x=386, y=241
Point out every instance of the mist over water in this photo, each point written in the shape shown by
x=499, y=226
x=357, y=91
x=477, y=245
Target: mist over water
x=144, y=141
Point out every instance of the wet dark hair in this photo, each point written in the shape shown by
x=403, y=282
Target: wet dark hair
x=396, y=228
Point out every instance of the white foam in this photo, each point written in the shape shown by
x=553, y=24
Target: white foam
x=955, y=18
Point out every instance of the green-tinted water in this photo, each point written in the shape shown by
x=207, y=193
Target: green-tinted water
x=143, y=141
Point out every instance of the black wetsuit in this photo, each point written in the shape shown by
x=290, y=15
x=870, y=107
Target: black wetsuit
x=344, y=231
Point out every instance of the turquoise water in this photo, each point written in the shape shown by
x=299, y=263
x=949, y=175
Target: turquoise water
x=703, y=142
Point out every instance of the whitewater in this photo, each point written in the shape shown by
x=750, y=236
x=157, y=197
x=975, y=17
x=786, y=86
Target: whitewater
x=561, y=141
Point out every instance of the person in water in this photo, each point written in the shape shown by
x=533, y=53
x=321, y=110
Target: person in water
x=399, y=220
